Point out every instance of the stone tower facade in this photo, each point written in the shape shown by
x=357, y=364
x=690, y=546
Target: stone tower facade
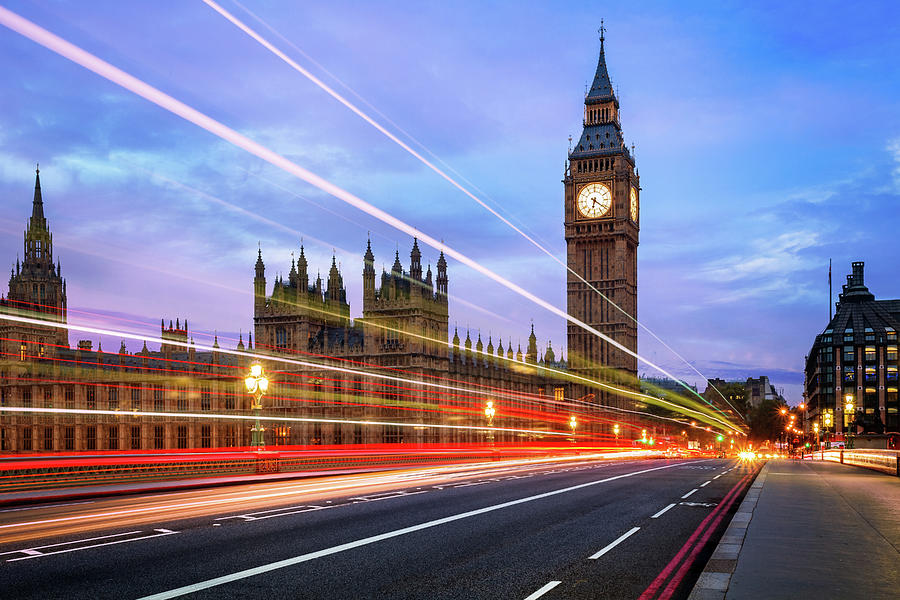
x=602, y=208
x=36, y=290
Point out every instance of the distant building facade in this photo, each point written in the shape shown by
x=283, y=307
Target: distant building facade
x=851, y=372
x=403, y=333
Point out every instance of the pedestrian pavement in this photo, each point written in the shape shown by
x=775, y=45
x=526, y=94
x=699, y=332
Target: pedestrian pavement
x=810, y=529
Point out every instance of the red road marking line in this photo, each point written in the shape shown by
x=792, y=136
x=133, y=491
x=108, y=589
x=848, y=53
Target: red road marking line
x=679, y=576
x=651, y=590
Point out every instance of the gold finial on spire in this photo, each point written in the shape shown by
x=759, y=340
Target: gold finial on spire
x=601, y=31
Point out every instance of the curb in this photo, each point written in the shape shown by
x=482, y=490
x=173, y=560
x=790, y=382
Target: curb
x=716, y=576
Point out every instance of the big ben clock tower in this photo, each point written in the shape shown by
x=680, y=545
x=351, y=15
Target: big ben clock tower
x=602, y=210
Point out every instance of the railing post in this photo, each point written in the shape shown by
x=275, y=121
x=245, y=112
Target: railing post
x=842, y=456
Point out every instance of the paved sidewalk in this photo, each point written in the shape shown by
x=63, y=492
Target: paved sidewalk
x=810, y=530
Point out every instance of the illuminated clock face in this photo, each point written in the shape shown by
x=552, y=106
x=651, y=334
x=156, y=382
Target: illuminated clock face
x=634, y=213
x=594, y=200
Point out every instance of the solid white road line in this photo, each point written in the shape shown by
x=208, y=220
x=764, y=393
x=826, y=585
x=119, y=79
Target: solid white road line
x=190, y=589
x=689, y=493
x=717, y=476
x=546, y=588
x=662, y=512
x=705, y=483
x=615, y=543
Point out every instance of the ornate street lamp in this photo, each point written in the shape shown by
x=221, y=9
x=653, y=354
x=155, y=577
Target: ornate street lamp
x=616, y=431
x=257, y=384
x=573, y=423
x=489, y=412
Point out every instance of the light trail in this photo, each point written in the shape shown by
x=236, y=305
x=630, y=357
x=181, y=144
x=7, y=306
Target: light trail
x=334, y=94
x=183, y=415
x=115, y=75
x=242, y=353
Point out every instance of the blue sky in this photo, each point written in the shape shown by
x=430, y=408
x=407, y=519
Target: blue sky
x=767, y=138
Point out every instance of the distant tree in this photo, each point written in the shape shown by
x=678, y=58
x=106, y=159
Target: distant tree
x=766, y=421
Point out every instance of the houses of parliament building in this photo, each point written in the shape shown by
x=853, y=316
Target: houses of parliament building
x=393, y=375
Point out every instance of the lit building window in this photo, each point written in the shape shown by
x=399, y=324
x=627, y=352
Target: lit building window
x=870, y=353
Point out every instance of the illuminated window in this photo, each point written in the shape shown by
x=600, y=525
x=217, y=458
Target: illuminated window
x=871, y=375
x=892, y=373
x=22, y=351
x=891, y=334
x=559, y=394
x=849, y=374
x=848, y=334
x=891, y=352
x=849, y=354
x=870, y=353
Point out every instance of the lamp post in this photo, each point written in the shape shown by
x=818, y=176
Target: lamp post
x=616, y=431
x=573, y=423
x=257, y=384
x=489, y=412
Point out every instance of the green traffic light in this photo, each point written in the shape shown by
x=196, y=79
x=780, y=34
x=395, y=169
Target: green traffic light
x=720, y=438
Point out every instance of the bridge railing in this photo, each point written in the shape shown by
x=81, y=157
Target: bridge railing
x=886, y=461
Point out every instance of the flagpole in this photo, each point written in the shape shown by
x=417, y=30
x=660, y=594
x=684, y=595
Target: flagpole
x=830, y=296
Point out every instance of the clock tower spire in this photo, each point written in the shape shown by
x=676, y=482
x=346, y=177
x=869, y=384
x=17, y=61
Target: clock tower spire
x=602, y=193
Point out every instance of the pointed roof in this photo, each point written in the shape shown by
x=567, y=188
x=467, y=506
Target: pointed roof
x=601, y=88
x=369, y=257
x=37, y=210
x=397, y=268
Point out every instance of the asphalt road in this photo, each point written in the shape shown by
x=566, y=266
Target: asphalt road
x=586, y=529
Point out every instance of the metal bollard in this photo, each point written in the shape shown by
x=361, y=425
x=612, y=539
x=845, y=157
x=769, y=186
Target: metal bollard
x=842, y=456
x=898, y=465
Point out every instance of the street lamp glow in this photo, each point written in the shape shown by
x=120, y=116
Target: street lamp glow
x=257, y=384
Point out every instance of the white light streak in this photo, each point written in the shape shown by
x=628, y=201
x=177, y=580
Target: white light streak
x=188, y=415
x=87, y=60
x=334, y=94
x=303, y=363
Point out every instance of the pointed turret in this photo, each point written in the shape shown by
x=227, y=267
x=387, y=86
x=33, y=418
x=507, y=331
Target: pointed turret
x=602, y=135
x=368, y=274
x=259, y=285
x=549, y=356
x=442, y=276
x=397, y=269
x=601, y=88
x=335, y=281
x=302, y=274
x=37, y=209
x=531, y=353
x=519, y=353
x=455, y=338
x=240, y=345
x=415, y=261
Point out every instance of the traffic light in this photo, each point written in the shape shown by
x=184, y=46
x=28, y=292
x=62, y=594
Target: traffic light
x=719, y=438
